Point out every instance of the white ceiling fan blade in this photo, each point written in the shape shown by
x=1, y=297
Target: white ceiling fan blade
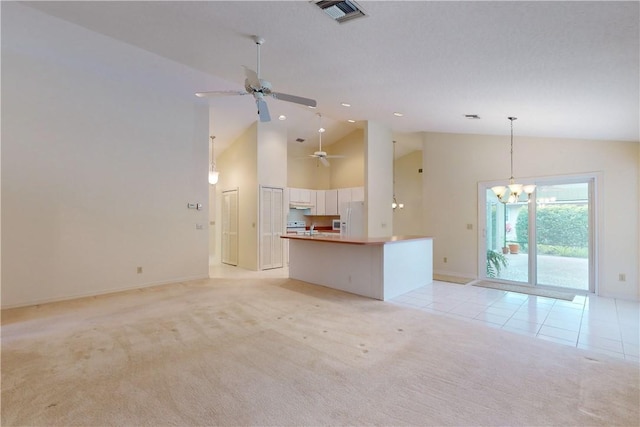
x=292, y=98
x=263, y=110
x=252, y=77
x=324, y=161
x=214, y=93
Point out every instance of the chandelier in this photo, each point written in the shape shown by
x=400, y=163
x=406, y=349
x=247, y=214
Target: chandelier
x=395, y=205
x=511, y=193
x=213, y=173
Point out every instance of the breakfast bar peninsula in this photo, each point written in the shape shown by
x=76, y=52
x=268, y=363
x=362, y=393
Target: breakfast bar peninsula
x=378, y=267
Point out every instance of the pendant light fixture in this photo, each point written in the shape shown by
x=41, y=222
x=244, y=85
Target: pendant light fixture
x=511, y=193
x=213, y=173
x=395, y=205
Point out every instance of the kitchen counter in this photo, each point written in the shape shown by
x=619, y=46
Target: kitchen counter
x=335, y=237
x=380, y=268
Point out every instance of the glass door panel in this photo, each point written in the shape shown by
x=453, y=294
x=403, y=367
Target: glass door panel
x=563, y=235
x=506, y=240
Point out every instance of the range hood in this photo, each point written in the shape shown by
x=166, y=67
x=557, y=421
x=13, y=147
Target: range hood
x=300, y=205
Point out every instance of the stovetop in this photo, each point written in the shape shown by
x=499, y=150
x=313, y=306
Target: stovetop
x=296, y=224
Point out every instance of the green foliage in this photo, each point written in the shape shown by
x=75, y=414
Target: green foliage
x=522, y=228
x=567, y=251
x=561, y=230
x=495, y=262
x=563, y=225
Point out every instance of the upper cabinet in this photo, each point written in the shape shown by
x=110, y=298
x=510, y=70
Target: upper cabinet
x=324, y=202
x=357, y=194
x=344, y=196
x=353, y=194
x=331, y=202
x=301, y=195
x=320, y=202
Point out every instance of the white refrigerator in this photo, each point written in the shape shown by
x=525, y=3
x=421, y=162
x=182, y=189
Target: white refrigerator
x=352, y=219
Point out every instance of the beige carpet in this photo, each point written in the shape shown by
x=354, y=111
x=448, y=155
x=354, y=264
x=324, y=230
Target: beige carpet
x=530, y=290
x=281, y=352
x=452, y=279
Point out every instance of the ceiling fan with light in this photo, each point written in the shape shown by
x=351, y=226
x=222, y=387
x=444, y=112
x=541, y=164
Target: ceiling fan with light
x=322, y=156
x=259, y=88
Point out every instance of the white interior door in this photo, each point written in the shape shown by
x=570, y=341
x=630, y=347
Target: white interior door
x=271, y=227
x=230, y=227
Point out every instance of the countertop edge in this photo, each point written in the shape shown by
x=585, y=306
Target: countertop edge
x=356, y=240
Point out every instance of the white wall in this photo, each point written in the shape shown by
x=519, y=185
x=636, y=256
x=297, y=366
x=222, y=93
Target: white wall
x=304, y=171
x=272, y=154
x=455, y=163
x=378, y=179
x=408, y=190
x=348, y=171
x=97, y=167
x=238, y=166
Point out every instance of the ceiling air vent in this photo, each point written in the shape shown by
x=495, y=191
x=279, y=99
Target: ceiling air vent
x=341, y=11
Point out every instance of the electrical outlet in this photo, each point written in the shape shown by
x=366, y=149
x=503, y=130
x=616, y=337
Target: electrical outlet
x=622, y=277
x=139, y=270
x=445, y=260
x=469, y=226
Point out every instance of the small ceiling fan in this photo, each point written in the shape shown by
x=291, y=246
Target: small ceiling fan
x=322, y=156
x=260, y=88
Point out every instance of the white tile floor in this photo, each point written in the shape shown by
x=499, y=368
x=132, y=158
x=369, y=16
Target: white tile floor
x=604, y=325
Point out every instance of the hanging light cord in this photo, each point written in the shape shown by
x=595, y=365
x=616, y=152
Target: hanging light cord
x=213, y=163
x=512, y=119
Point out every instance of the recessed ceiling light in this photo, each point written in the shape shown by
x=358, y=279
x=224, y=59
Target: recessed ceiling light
x=282, y=117
x=351, y=121
x=346, y=104
x=398, y=114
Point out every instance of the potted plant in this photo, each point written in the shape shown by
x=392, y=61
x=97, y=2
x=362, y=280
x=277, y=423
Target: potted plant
x=495, y=262
x=514, y=247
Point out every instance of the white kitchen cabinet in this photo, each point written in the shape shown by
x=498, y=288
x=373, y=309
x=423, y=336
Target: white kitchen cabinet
x=331, y=202
x=320, y=204
x=344, y=195
x=314, y=202
x=357, y=194
x=300, y=195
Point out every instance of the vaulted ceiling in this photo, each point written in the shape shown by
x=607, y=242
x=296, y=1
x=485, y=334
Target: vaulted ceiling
x=566, y=69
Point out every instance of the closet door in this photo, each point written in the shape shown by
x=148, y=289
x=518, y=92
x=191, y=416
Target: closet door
x=271, y=227
x=230, y=227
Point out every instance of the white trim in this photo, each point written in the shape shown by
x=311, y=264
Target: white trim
x=91, y=294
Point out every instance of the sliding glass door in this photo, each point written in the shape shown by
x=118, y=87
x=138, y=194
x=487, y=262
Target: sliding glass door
x=563, y=246
x=545, y=242
x=507, y=255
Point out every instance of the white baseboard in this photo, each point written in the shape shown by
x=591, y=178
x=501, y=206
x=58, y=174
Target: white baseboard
x=103, y=292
